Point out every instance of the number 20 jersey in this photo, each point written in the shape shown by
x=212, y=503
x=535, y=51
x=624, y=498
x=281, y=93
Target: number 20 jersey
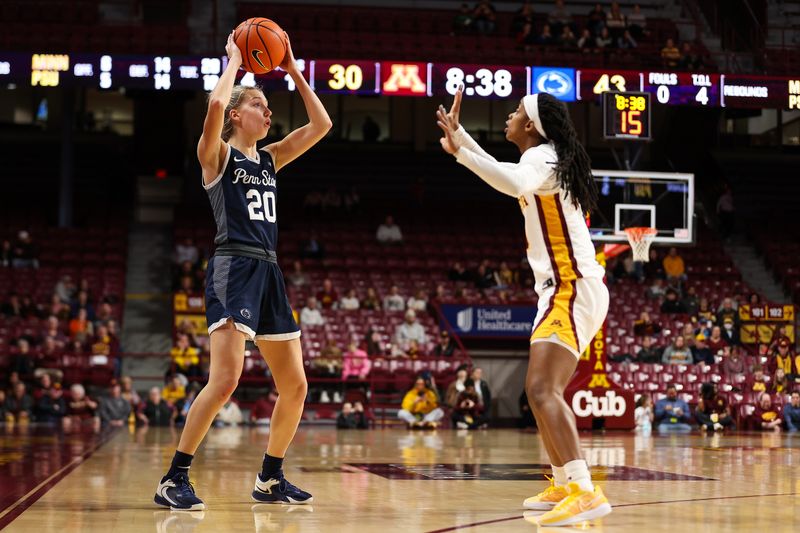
x=244, y=199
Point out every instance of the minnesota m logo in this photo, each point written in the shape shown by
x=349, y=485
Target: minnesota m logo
x=599, y=380
x=404, y=77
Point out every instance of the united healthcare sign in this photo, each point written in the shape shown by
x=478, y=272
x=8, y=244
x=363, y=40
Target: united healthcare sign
x=490, y=320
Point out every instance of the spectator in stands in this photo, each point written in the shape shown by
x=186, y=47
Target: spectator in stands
x=759, y=380
x=191, y=394
x=560, y=18
x=229, y=415
x=657, y=290
x=780, y=383
x=80, y=328
x=649, y=353
x=103, y=315
x=185, y=358
x=374, y=343
x=713, y=412
x=484, y=17
x=82, y=302
x=57, y=308
x=394, y=301
x=586, y=42
x=409, y=330
x=704, y=312
x=128, y=392
x=420, y=408
x=371, y=300
x=186, y=270
x=604, y=40
x=327, y=296
x=370, y=130
x=24, y=252
x=690, y=301
x=13, y=307
x=626, y=41
x=677, y=353
x=672, y=413
x=701, y=353
x=670, y=55
x=674, y=267
x=726, y=212
x=114, y=410
x=356, y=364
x=643, y=414
x=261, y=414
x=456, y=387
x=637, y=22
x=615, y=22
x=462, y=22
x=653, y=269
x=297, y=277
x=419, y=302
x=389, y=232
x=352, y=417
x=23, y=361
x=6, y=256
x=546, y=37
x=483, y=391
x=155, y=411
x=19, y=404
x=187, y=252
x=767, y=416
x=175, y=391
x=645, y=326
x=484, y=277
x=65, y=288
x=733, y=365
x=51, y=406
x=728, y=309
x=13, y=379
x=783, y=358
x=596, y=20
x=715, y=341
x=690, y=60
x=445, y=347
x=349, y=302
x=468, y=410
x=522, y=17
x=312, y=248
x=729, y=332
x=459, y=273
x=791, y=413
x=81, y=409
x=310, y=315
x=671, y=305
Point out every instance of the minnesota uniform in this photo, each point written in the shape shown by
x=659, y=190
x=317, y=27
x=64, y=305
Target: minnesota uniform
x=243, y=280
x=573, y=300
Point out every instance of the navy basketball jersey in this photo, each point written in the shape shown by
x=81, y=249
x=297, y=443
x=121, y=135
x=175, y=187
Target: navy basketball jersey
x=244, y=198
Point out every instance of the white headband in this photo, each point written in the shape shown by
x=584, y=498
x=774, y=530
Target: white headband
x=531, y=105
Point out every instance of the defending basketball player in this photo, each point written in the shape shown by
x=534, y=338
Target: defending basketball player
x=245, y=293
x=554, y=187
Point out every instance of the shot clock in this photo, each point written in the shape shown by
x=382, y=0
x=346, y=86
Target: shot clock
x=626, y=116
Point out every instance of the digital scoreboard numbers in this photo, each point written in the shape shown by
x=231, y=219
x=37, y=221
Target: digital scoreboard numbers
x=626, y=116
x=591, y=83
x=479, y=81
x=345, y=77
x=760, y=92
x=682, y=88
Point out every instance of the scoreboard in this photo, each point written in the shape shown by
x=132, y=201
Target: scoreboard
x=404, y=78
x=626, y=116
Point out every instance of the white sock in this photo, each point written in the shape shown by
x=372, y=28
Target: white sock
x=578, y=472
x=559, y=476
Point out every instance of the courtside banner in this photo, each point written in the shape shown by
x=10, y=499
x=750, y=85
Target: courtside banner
x=490, y=320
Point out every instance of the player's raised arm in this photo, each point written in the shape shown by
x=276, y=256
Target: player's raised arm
x=461, y=138
x=319, y=123
x=209, y=149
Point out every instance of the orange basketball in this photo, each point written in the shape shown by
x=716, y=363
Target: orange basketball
x=262, y=44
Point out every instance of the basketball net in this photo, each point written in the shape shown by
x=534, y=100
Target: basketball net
x=640, y=240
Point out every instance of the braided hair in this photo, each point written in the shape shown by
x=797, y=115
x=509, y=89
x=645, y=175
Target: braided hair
x=574, y=168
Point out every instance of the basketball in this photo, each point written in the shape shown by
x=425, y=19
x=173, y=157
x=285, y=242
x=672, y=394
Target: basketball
x=262, y=43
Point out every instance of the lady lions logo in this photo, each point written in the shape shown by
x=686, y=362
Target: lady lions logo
x=246, y=313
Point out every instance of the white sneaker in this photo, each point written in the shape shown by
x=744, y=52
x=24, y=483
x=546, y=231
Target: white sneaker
x=324, y=398
x=462, y=425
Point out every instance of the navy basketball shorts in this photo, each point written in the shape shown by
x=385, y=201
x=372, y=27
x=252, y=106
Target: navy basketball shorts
x=252, y=293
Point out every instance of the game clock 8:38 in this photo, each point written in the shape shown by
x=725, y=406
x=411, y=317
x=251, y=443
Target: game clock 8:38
x=626, y=116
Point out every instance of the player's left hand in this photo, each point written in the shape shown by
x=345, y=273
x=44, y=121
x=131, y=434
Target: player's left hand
x=288, y=64
x=447, y=142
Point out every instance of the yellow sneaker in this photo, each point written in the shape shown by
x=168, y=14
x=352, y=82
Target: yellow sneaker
x=580, y=505
x=548, y=498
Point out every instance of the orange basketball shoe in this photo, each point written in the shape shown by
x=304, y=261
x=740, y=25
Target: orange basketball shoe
x=580, y=505
x=548, y=498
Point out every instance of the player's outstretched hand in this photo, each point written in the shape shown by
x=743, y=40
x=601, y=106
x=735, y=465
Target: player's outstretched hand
x=288, y=64
x=234, y=54
x=448, y=144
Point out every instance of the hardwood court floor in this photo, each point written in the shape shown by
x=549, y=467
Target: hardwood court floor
x=395, y=480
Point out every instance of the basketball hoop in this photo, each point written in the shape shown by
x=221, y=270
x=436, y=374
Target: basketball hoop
x=640, y=240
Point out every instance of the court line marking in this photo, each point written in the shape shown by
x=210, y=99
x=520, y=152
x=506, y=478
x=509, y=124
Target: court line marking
x=17, y=508
x=518, y=517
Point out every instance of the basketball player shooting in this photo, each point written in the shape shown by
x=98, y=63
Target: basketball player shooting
x=554, y=187
x=245, y=293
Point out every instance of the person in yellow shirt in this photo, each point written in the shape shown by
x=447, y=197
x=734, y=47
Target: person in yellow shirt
x=174, y=392
x=185, y=358
x=420, y=408
x=674, y=267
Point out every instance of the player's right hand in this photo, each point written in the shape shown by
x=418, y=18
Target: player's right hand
x=234, y=54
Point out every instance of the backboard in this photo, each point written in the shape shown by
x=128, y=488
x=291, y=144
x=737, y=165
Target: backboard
x=660, y=200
